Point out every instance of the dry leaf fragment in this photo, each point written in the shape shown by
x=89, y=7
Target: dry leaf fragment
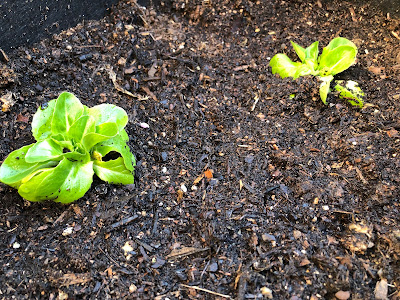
x=376, y=70
x=23, y=119
x=304, y=262
x=208, y=173
x=392, y=133
x=198, y=179
x=7, y=100
x=180, y=196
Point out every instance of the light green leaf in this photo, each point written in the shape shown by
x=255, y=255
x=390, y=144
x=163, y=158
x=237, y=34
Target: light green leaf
x=103, y=132
x=109, y=113
x=282, y=65
x=117, y=144
x=52, y=183
x=45, y=150
x=300, y=51
x=304, y=70
x=113, y=171
x=82, y=126
x=15, y=168
x=338, y=56
x=311, y=52
x=67, y=109
x=324, y=87
x=77, y=183
x=41, y=122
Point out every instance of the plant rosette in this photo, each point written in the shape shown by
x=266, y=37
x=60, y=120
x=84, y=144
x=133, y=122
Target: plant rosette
x=73, y=141
x=338, y=56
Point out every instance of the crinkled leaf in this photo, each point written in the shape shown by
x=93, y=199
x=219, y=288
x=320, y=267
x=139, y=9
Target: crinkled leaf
x=284, y=66
x=45, y=150
x=117, y=144
x=82, y=126
x=338, y=56
x=109, y=113
x=324, y=87
x=67, y=109
x=103, y=132
x=300, y=51
x=15, y=168
x=350, y=91
x=113, y=171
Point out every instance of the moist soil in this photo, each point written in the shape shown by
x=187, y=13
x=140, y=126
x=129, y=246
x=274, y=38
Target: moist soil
x=247, y=186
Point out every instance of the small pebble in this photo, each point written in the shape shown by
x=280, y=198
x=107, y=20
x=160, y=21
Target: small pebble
x=297, y=234
x=213, y=267
x=16, y=245
x=183, y=188
x=67, y=231
x=164, y=156
x=268, y=237
x=266, y=292
x=249, y=159
x=342, y=295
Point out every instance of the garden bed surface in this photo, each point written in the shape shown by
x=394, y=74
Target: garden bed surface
x=241, y=190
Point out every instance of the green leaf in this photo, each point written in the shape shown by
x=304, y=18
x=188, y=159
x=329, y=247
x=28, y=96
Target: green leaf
x=113, y=171
x=81, y=127
x=66, y=182
x=41, y=122
x=300, y=51
x=304, y=70
x=311, y=52
x=324, y=87
x=45, y=150
x=103, y=132
x=282, y=65
x=109, y=113
x=338, y=56
x=350, y=91
x=77, y=183
x=117, y=144
x=15, y=168
x=67, y=109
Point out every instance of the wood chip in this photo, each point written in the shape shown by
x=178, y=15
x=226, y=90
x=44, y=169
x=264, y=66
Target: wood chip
x=381, y=290
x=73, y=278
x=184, y=251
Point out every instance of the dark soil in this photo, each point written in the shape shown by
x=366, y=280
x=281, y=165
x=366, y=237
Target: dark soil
x=25, y=22
x=241, y=191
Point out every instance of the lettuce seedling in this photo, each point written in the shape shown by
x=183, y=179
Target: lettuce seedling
x=338, y=56
x=73, y=141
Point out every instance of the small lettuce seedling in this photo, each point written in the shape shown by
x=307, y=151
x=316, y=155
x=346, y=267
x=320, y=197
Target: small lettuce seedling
x=73, y=141
x=338, y=56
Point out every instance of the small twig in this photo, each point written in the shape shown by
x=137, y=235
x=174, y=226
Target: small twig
x=204, y=270
x=109, y=257
x=205, y=290
x=123, y=222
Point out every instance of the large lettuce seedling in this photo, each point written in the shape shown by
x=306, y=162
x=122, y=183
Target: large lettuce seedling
x=73, y=141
